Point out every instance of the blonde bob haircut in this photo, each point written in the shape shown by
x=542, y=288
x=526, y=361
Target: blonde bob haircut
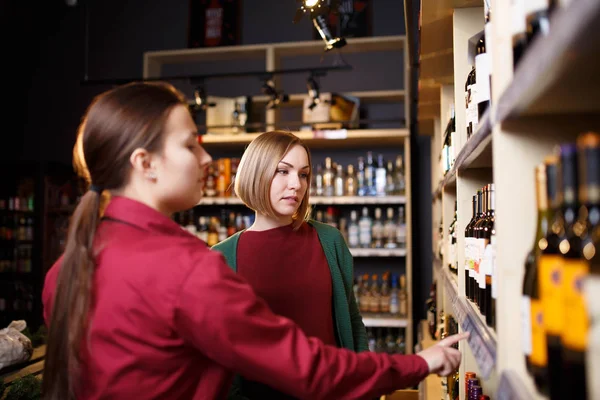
x=257, y=169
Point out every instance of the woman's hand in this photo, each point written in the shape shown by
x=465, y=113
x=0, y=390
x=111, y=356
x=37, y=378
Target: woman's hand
x=441, y=358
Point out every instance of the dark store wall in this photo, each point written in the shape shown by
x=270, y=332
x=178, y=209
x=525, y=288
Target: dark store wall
x=44, y=42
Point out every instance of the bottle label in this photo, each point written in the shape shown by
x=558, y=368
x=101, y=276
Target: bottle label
x=380, y=181
x=483, y=67
x=353, y=236
x=469, y=255
x=576, y=319
x=539, y=355
x=486, y=264
x=479, y=250
x=526, y=325
x=551, y=277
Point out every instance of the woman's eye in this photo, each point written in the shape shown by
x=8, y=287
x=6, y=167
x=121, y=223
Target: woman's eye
x=282, y=171
x=304, y=176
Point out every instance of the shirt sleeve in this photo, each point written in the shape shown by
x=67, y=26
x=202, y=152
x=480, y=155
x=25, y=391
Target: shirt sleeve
x=218, y=313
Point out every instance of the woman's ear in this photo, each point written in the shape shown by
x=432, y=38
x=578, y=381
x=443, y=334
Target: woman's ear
x=142, y=164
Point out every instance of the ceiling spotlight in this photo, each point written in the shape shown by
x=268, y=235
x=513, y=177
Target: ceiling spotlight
x=313, y=92
x=200, y=100
x=276, y=97
x=318, y=10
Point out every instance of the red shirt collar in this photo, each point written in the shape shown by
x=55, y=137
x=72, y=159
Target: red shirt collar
x=135, y=213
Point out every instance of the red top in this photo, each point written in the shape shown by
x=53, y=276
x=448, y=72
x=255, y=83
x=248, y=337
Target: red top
x=171, y=320
x=289, y=270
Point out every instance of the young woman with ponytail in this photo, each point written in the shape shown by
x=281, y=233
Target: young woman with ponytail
x=138, y=308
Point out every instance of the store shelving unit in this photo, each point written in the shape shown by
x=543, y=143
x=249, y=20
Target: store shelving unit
x=333, y=141
x=550, y=98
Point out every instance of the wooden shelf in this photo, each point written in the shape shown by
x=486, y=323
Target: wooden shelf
x=378, y=252
x=482, y=339
x=343, y=200
x=318, y=139
x=558, y=73
x=155, y=59
x=384, y=322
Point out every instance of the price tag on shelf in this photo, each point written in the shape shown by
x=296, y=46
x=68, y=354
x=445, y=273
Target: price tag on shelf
x=335, y=134
x=481, y=342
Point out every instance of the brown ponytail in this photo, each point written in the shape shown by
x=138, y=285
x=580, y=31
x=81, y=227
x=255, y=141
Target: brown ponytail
x=72, y=302
x=116, y=123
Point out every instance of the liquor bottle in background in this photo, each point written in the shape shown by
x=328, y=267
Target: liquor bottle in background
x=330, y=217
x=328, y=175
x=453, y=149
x=231, y=229
x=390, y=342
x=317, y=186
x=380, y=176
x=575, y=270
x=589, y=149
x=445, y=393
x=469, y=248
x=519, y=34
x=202, y=229
x=403, y=298
x=370, y=174
x=536, y=19
x=191, y=222
x=371, y=339
x=361, y=178
x=213, y=234
x=483, y=67
x=378, y=238
x=384, y=301
x=353, y=231
x=390, y=230
x=550, y=270
x=390, y=184
x=365, y=295
x=375, y=306
x=399, y=180
x=338, y=182
x=395, y=298
x=222, y=227
x=401, y=229
x=351, y=186
x=364, y=229
x=532, y=322
x=431, y=310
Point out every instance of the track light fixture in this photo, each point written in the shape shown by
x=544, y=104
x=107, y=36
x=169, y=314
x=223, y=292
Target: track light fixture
x=276, y=97
x=318, y=11
x=200, y=100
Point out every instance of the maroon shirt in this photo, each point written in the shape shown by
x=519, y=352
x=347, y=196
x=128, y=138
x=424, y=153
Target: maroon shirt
x=289, y=270
x=172, y=321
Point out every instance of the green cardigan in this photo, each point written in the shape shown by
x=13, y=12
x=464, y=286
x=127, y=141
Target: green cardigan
x=349, y=327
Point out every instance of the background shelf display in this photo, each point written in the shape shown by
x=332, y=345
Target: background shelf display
x=379, y=137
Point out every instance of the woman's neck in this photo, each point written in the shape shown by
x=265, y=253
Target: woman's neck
x=264, y=222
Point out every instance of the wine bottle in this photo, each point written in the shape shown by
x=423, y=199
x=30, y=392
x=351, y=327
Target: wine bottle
x=487, y=232
x=483, y=67
x=533, y=334
x=550, y=270
x=469, y=237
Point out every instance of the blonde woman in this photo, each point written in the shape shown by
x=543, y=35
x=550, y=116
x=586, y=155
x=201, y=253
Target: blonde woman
x=300, y=267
